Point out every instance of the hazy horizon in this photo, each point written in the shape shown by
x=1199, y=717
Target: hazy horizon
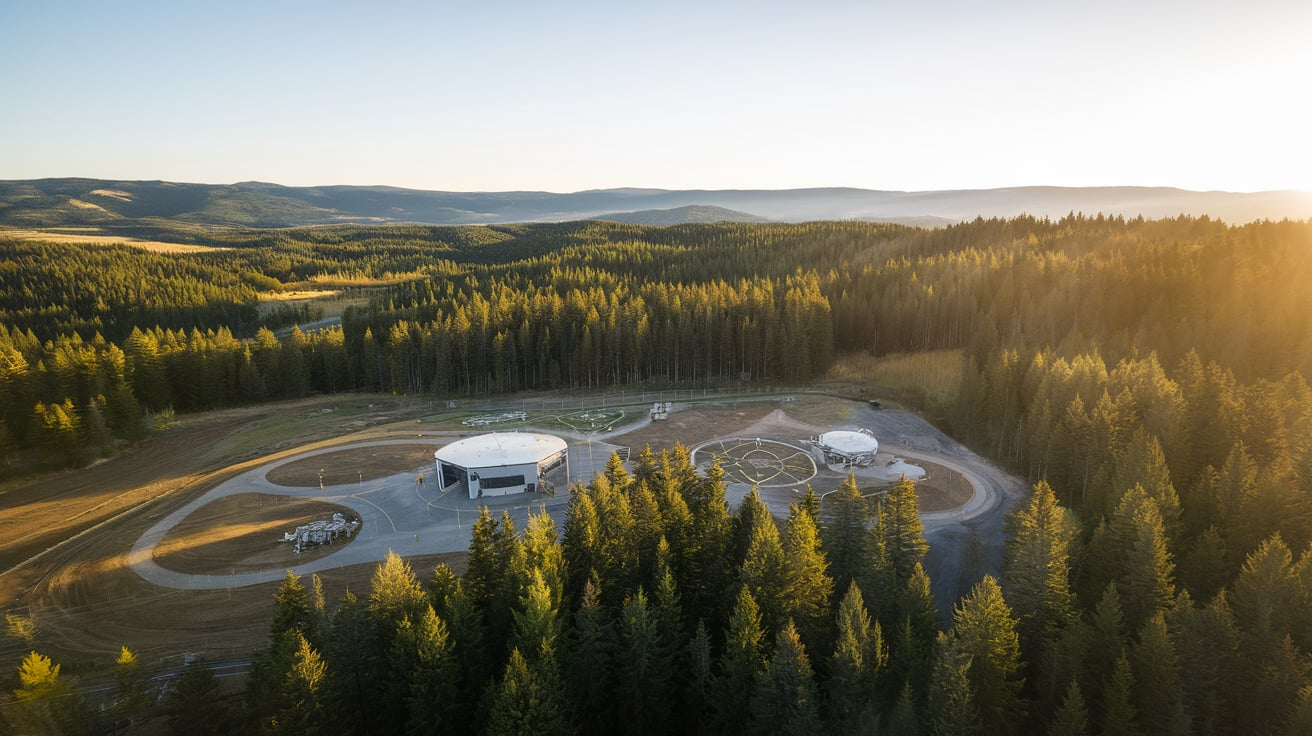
x=513, y=96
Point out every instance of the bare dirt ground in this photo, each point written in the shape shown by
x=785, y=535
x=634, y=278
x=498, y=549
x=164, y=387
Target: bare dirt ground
x=350, y=466
x=695, y=425
x=942, y=488
x=240, y=533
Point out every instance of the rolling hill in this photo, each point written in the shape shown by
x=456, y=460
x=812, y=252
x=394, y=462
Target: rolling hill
x=97, y=202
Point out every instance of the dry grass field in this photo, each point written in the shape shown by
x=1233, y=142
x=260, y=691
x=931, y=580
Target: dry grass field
x=92, y=236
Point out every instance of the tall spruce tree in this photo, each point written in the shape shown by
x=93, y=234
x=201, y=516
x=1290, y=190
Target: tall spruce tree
x=807, y=585
x=903, y=532
x=1036, y=575
x=785, y=698
x=743, y=659
x=844, y=535
x=643, y=673
x=858, y=660
x=590, y=665
x=984, y=631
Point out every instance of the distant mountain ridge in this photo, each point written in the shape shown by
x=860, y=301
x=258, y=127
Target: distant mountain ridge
x=73, y=202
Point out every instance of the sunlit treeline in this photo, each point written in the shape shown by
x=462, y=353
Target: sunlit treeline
x=597, y=304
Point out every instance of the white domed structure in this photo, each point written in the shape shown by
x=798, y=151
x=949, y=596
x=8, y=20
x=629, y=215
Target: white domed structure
x=501, y=463
x=847, y=447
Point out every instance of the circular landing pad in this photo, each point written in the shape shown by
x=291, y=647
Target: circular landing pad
x=758, y=462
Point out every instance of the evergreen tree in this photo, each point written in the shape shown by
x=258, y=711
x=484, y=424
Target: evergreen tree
x=1118, y=718
x=525, y=702
x=537, y=627
x=763, y=573
x=696, y=703
x=743, y=660
x=751, y=513
x=46, y=702
x=192, y=705
x=858, y=659
x=1104, y=641
x=953, y=709
x=1155, y=668
x=902, y=721
x=985, y=634
x=580, y=543
x=807, y=585
x=1072, y=718
x=903, y=532
x=785, y=699
x=432, y=673
x=294, y=610
x=358, y=667
x=301, y=697
x=643, y=670
x=487, y=564
x=1036, y=576
x=590, y=664
x=1207, y=641
x=844, y=535
x=132, y=681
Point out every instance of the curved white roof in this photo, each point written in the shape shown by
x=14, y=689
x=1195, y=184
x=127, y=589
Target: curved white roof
x=500, y=448
x=850, y=443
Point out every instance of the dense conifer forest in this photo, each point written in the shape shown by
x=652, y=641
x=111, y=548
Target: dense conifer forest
x=1147, y=377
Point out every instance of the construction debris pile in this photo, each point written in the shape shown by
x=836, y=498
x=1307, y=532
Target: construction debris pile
x=321, y=532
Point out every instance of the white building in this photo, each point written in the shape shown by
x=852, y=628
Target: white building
x=501, y=463
x=847, y=447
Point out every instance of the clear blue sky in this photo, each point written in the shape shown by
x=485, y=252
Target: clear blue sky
x=563, y=96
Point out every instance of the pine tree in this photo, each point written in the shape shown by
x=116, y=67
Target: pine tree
x=858, y=659
x=696, y=703
x=589, y=668
x=301, y=697
x=785, y=699
x=1118, y=717
x=192, y=705
x=358, y=670
x=764, y=573
x=1072, y=719
x=487, y=565
x=953, y=709
x=537, y=628
x=844, y=536
x=985, y=633
x=464, y=623
x=1155, y=667
x=132, y=681
x=902, y=720
x=903, y=532
x=751, y=513
x=293, y=610
x=807, y=585
x=742, y=661
x=1105, y=640
x=525, y=702
x=1036, y=576
x=1207, y=641
x=580, y=543
x=643, y=670
x=46, y=702
x=432, y=672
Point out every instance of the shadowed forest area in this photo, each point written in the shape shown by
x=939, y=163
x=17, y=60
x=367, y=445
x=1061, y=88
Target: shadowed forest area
x=1148, y=377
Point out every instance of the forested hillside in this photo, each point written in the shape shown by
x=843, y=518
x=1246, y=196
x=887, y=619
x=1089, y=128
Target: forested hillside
x=1148, y=376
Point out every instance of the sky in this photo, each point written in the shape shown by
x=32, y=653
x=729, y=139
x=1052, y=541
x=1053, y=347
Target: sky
x=565, y=96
